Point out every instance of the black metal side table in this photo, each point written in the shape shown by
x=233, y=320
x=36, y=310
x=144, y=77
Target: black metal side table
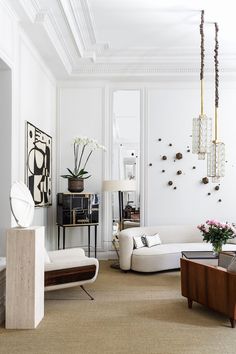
x=88, y=225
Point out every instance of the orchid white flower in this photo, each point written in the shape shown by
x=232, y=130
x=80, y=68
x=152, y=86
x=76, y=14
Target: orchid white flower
x=83, y=149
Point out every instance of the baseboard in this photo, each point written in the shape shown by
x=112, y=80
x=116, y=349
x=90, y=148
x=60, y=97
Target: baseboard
x=106, y=255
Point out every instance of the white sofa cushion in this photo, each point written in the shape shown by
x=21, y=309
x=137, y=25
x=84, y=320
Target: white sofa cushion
x=152, y=240
x=72, y=254
x=166, y=256
x=138, y=242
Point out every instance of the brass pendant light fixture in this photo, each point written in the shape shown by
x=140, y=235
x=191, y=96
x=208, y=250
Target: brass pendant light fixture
x=216, y=156
x=202, y=126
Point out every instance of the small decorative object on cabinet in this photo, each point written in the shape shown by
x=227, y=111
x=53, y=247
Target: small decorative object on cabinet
x=78, y=210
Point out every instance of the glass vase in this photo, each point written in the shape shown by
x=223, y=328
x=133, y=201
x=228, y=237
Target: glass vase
x=216, y=248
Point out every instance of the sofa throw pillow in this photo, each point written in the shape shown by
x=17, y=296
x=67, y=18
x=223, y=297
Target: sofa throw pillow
x=153, y=240
x=232, y=265
x=138, y=241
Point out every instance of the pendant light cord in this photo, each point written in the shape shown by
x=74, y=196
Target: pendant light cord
x=216, y=50
x=202, y=59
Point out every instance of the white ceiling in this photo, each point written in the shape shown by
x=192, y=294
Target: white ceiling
x=117, y=38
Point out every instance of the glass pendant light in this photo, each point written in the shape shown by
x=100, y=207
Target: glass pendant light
x=216, y=156
x=202, y=126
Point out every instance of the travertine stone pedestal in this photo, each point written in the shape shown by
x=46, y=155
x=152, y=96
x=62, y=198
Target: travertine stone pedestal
x=25, y=277
x=2, y=288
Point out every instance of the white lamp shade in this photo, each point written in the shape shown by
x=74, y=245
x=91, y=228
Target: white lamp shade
x=119, y=185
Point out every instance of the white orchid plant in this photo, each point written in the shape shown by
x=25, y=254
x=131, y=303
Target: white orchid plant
x=83, y=149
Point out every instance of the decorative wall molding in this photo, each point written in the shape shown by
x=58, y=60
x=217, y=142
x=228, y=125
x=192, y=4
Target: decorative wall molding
x=118, y=70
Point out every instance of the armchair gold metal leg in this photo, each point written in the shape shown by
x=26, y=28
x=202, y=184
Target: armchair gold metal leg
x=82, y=287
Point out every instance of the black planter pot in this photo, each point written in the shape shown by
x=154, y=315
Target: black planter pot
x=75, y=185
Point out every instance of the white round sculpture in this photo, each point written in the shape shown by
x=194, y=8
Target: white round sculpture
x=22, y=204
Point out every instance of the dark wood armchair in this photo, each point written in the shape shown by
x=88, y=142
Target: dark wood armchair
x=210, y=286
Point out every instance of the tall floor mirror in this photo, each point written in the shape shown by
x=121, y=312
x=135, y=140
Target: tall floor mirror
x=126, y=158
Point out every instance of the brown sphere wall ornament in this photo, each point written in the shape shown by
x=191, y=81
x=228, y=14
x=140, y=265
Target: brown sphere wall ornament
x=170, y=144
x=164, y=157
x=179, y=172
x=205, y=180
x=170, y=183
x=217, y=188
x=179, y=156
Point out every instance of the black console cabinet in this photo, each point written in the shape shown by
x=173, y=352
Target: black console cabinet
x=77, y=210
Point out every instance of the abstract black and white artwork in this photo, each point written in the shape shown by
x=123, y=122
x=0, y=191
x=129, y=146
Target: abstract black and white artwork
x=39, y=165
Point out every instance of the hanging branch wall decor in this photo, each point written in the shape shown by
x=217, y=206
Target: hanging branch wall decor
x=216, y=157
x=202, y=126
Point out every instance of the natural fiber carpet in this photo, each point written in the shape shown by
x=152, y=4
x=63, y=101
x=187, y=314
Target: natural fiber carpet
x=132, y=313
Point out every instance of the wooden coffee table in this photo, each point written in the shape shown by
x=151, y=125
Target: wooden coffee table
x=211, y=286
x=206, y=257
x=199, y=255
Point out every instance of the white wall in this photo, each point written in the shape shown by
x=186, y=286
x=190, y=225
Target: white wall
x=33, y=99
x=171, y=108
x=80, y=114
x=167, y=112
x=38, y=106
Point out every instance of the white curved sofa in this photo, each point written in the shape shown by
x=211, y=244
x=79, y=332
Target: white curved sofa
x=175, y=239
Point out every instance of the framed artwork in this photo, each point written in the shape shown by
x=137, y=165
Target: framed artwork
x=39, y=165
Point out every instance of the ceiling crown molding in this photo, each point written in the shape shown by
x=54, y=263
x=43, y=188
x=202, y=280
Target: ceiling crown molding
x=66, y=33
x=50, y=25
x=31, y=8
x=78, y=16
x=44, y=17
